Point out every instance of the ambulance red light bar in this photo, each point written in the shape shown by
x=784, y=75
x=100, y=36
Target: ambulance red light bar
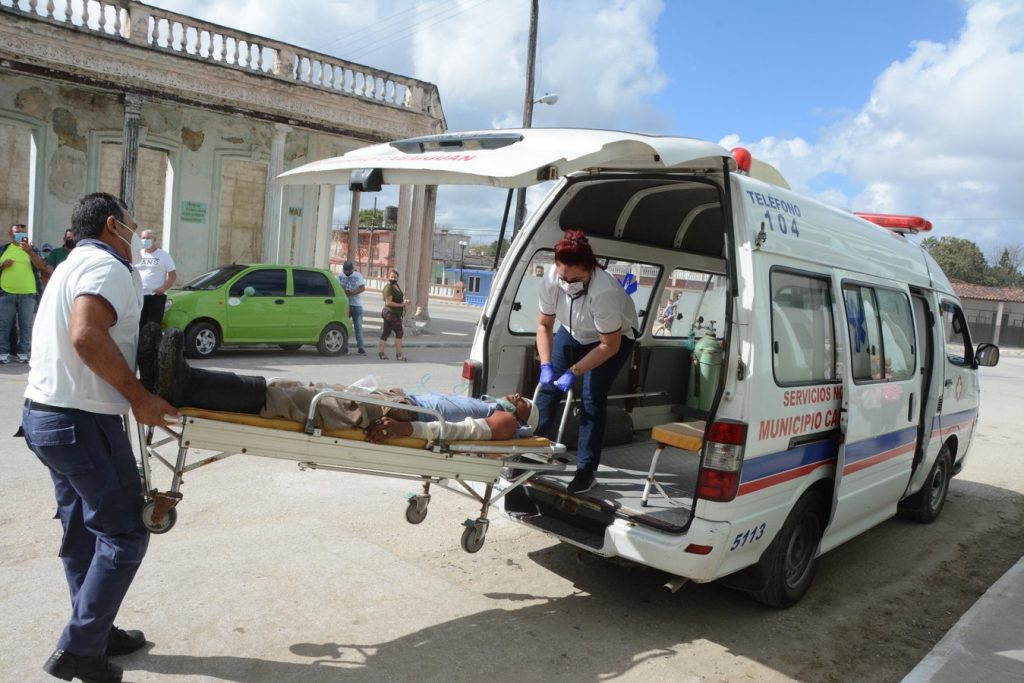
x=898, y=223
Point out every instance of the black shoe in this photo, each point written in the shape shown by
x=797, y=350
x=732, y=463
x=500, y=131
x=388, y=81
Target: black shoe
x=149, y=354
x=66, y=666
x=583, y=481
x=121, y=642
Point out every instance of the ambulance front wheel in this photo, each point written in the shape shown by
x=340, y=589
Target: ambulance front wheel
x=925, y=505
x=789, y=564
x=161, y=527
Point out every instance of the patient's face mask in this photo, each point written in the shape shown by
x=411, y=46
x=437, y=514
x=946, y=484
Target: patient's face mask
x=502, y=403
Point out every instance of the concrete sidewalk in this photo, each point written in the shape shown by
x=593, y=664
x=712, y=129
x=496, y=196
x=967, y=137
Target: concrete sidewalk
x=986, y=644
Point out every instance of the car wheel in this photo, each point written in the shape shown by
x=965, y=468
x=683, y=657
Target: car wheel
x=201, y=340
x=925, y=505
x=791, y=560
x=333, y=340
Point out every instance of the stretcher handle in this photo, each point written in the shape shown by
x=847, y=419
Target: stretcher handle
x=370, y=400
x=565, y=411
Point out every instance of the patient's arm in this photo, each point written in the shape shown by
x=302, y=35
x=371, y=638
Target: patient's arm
x=500, y=425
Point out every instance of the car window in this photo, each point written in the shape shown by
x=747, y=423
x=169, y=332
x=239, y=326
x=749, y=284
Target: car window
x=215, y=278
x=958, y=338
x=311, y=283
x=266, y=282
x=803, y=331
x=690, y=303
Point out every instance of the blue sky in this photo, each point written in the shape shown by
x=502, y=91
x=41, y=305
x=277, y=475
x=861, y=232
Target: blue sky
x=904, y=106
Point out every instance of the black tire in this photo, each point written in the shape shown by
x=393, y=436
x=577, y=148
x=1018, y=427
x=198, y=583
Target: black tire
x=413, y=513
x=926, y=505
x=165, y=524
x=202, y=340
x=333, y=340
x=473, y=539
x=290, y=347
x=790, y=562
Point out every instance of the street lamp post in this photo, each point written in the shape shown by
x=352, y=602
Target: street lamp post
x=462, y=258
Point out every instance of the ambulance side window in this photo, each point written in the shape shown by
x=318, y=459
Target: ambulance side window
x=898, y=347
x=865, y=338
x=958, y=338
x=803, y=332
x=691, y=302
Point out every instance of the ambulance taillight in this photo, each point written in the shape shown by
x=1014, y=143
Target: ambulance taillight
x=723, y=456
x=471, y=372
x=897, y=222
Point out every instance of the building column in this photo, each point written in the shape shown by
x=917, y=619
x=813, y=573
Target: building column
x=353, y=236
x=400, y=253
x=426, y=254
x=999, y=324
x=274, y=240
x=416, y=247
x=324, y=227
x=130, y=149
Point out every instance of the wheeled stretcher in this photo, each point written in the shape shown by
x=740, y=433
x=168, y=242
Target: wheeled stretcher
x=449, y=465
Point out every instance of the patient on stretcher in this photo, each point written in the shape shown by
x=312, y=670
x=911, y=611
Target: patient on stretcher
x=163, y=369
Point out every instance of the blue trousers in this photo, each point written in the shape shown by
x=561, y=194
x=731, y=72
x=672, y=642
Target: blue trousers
x=22, y=307
x=99, y=500
x=594, y=405
x=356, y=313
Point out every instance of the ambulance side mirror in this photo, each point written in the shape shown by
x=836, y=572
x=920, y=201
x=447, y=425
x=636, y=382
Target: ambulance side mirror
x=986, y=355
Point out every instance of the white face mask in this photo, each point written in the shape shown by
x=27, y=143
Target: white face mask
x=135, y=244
x=574, y=289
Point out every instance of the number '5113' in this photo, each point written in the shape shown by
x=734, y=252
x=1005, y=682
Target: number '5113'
x=748, y=536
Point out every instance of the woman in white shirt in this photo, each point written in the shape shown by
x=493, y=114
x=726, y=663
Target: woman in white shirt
x=598, y=328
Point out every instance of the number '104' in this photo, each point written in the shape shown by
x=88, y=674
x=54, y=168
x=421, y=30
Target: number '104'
x=786, y=227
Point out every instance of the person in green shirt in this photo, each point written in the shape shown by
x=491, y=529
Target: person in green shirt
x=58, y=254
x=394, y=308
x=20, y=286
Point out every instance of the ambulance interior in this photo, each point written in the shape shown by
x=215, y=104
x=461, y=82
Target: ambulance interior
x=663, y=239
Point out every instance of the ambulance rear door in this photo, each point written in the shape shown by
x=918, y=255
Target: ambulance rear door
x=881, y=402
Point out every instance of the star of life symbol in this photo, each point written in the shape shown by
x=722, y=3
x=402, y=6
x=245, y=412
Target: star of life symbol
x=959, y=387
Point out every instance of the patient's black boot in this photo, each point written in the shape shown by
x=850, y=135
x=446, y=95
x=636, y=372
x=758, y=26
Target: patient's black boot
x=182, y=385
x=149, y=354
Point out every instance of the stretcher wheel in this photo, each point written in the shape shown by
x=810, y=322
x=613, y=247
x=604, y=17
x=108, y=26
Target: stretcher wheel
x=414, y=512
x=473, y=538
x=165, y=524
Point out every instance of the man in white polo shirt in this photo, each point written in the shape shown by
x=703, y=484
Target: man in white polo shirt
x=81, y=383
x=157, y=271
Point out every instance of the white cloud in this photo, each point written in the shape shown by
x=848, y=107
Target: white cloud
x=941, y=135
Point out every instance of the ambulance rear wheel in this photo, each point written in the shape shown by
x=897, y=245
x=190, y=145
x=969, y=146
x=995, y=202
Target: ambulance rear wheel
x=789, y=564
x=925, y=505
x=161, y=527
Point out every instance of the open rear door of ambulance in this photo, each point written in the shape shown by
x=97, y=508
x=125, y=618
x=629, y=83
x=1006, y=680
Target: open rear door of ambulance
x=881, y=402
x=506, y=158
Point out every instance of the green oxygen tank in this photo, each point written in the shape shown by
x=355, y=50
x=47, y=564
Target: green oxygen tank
x=706, y=364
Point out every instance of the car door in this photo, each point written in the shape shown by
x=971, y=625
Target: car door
x=313, y=304
x=881, y=409
x=261, y=316
x=960, y=395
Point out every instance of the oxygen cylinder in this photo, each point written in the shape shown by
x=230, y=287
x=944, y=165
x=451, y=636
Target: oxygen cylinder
x=706, y=364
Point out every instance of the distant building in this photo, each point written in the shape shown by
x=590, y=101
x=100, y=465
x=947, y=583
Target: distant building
x=994, y=314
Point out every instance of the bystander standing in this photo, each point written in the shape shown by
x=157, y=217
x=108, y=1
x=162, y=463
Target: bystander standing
x=157, y=270
x=354, y=284
x=21, y=266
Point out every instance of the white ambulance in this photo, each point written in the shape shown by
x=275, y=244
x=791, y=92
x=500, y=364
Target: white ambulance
x=801, y=373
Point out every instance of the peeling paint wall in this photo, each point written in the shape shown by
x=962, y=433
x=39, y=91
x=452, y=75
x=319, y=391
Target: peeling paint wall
x=183, y=150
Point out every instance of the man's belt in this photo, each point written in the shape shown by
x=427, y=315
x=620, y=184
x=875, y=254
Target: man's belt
x=36, y=405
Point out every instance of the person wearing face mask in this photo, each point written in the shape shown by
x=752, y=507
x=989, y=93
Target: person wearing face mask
x=59, y=254
x=81, y=384
x=394, y=308
x=21, y=268
x=157, y=270
x=598, y=327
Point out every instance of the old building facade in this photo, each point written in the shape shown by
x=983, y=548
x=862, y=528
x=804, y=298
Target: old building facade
x=191, y=123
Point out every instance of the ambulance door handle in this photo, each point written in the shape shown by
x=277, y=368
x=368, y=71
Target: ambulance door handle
x=948, y=383
x=910, y=410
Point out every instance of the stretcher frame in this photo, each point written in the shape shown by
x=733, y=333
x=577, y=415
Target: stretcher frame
x=449, y=465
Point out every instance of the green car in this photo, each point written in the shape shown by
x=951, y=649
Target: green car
x=261, y=304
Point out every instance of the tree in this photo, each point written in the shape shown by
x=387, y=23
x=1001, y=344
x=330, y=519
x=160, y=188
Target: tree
x=492, y=248
x=960, y=259
x=371, y=218
x=1006, y=268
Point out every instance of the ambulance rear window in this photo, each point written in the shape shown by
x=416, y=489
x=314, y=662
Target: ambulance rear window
x=803, y=334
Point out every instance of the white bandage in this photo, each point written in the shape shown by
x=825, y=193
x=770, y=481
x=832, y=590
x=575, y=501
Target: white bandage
x=469, y=429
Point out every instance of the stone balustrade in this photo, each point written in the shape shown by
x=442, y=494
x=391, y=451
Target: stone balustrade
x=158, y=29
